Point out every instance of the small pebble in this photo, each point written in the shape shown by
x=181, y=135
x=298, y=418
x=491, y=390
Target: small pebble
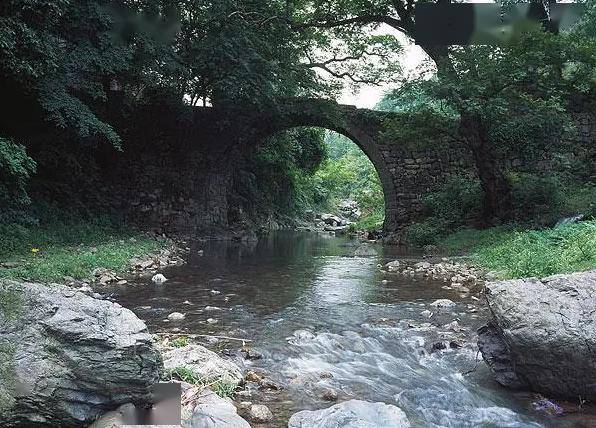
x=329, y=394
x=159, y=278
x=176, y=316
x=260, y=414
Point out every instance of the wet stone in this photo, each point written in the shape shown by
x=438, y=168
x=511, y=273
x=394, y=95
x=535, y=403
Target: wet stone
x=329, y=394
x=259, y=414
x=251, y=354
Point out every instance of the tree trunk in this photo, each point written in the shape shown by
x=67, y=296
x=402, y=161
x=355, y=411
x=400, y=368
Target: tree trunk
x=497, y=204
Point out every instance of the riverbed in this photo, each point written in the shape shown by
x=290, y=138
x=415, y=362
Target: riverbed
x=322, y=319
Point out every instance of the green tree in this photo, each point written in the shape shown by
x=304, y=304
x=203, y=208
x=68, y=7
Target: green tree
x=59, y=59
x=457, y=70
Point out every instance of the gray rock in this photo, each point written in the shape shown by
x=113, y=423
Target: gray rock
x=393, y=266
x=331, y=219
x=206, y=364
x=115, y=418
x=352, y=414
x=329, y=394
x=301, y=337
x=213, y=411
x=158, y=278
x=443, y=303
x=365, y=250
x=260, y=414
x=336, y=229
x=542, y=335
x=71, y=358
x=496, y=355
x=176, y=316
x=422, y=265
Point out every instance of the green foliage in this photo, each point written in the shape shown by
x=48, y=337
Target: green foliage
x=427, y=232
x=540, y=252
x=224, y=389
x=580, y=200
x=280, y=170
x=179, y=342
x=220, y=386
x=57, y=55
x=465, y=240
x=349, y=174
x=15, y=170
x=373, y=221
x=49, y=252
x=538, y=200
x=544, y=199
x=296, y=171
x=425, y=120
x=457, y=203
x=184, y=374
x=536, y=197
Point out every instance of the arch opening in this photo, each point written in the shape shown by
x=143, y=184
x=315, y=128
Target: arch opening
x=345, y=181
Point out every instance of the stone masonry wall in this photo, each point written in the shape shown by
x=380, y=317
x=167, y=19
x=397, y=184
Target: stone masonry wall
x=177, y=169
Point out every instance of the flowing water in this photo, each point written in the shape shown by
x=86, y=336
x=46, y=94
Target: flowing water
x=323, y=318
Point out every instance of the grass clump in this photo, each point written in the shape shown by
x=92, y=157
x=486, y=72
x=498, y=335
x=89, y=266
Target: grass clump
x=540, y=253
x=220, y=386
x=50, y=252
x=186, y=375
x=179, y=342
x=515, y=253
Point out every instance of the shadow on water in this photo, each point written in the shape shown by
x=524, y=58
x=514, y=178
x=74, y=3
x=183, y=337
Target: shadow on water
x=323, y=318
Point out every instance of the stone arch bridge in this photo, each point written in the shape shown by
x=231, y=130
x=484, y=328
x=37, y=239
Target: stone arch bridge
x=406, y=174
x=194, y=146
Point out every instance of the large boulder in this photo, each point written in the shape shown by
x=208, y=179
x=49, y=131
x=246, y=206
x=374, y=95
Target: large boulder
x=66, y=358
x=352, y=414
x=212, y=411
x=542, y=335
x=203, y=363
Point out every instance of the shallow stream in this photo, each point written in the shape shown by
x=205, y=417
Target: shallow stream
x=322, y=318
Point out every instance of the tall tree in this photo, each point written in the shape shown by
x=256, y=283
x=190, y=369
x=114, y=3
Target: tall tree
x=60, y=58
x=351, y=19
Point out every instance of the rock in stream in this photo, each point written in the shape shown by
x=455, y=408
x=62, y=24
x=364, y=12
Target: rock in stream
x=542, y=335
x=352, y=414
x=67, y=357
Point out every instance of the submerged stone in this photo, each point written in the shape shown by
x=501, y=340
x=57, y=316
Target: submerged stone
x=260, y=414
x=352, y=414
x=159, y=278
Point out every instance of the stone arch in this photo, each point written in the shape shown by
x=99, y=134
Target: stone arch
x=347, y=121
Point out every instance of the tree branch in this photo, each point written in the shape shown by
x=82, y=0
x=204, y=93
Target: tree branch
x=341, y=75
x=362, y=19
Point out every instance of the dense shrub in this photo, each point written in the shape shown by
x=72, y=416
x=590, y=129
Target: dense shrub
x=536, y=198
x=428, y=232
x=539, y=201
x=457, y=203
x=16, y=167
